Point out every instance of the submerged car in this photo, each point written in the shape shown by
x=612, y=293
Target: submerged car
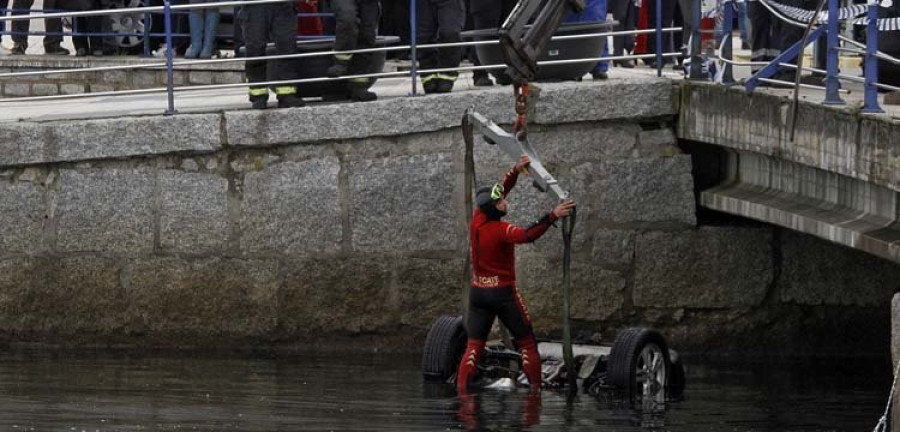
x=638, y=365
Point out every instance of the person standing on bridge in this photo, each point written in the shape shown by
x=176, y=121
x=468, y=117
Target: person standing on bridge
x=494, y=292
x=258, y=23
x=356, y=22
x=439, y=21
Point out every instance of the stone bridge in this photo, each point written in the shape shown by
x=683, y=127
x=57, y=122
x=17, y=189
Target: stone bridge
x=838, y=178
x=346, y=222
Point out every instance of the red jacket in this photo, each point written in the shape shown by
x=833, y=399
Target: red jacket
x=493, y=244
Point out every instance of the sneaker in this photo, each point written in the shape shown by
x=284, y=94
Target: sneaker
x=57, y=50
x=260, y=103
x=290, y=101
x=483, y=81
x=598, y=76
x=18, y=49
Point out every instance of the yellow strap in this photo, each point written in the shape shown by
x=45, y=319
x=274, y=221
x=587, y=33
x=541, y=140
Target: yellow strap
x=343, y=57
x=429, y=77
x=285, y=90
x=259, y=91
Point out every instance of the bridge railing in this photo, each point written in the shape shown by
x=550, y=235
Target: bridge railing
x=831, y=31
x=869, y=50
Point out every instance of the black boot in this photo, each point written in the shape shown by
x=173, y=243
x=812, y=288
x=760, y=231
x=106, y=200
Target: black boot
x=361, y=94
x=259, y=102
x=290, y=101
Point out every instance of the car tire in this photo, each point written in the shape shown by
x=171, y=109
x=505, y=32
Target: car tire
x=444, y=347
x=639, y=364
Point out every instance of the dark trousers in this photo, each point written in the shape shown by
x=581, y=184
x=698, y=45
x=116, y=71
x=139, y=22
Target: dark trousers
x=439, y=21
x=486, y=14
x=92, y=24
x=625, y=13
x=668, y=17
x=21, y=27
x=356, y=23
x=395, y=21
x=765, y=42
x=258, y=23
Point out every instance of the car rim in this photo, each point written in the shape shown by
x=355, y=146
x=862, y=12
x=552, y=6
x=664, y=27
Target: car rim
x=650, y=375
x=129, y=27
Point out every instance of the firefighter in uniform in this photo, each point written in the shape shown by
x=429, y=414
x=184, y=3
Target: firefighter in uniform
x=439, y=21
x=493, y=292
x=356, y=24
x=258, y=22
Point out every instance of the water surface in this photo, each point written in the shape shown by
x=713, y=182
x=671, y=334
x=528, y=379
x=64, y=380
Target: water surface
x=106, y=391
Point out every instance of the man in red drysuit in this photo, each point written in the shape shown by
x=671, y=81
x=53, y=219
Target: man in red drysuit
x=494, y=292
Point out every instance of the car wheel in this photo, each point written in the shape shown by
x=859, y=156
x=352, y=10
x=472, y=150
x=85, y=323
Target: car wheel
x=129, y=28
x=444, y=347
x=639, y=364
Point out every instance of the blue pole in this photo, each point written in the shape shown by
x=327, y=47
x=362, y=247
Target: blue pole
x=728, y=29
x=831, y=80
x=659, y=58
x=871, y=93
x=413, y=70
x=147, y=34
x=169, y=73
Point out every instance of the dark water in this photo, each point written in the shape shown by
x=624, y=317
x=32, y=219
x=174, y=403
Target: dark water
x=77, y=391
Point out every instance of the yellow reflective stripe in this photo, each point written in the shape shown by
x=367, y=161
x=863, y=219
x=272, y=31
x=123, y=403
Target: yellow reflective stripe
x=343, y=57
x=426, y=78
x=285, y=90
x=446, y=77
x=259, y=91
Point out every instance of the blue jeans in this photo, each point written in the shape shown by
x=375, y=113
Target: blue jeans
x=740, y=9
x=594, y=10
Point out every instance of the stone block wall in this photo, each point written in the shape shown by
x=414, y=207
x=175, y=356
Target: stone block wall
x=151, y=76
x=346, y=222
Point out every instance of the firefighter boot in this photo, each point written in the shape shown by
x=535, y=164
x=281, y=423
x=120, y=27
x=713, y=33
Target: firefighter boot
x=290, y=101
x=259, y=102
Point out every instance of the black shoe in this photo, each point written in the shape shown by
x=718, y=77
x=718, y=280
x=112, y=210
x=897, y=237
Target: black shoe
x=57, y=50
x=338, y=69
x=483, y=81
x=290, y=101
x=444, y=86
x=502, y=78
x=430, y=86
x=18, y=49
x=81, y=52
x=627, y=64
x=260, y=103
x=597, y=76
x=360, y=94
